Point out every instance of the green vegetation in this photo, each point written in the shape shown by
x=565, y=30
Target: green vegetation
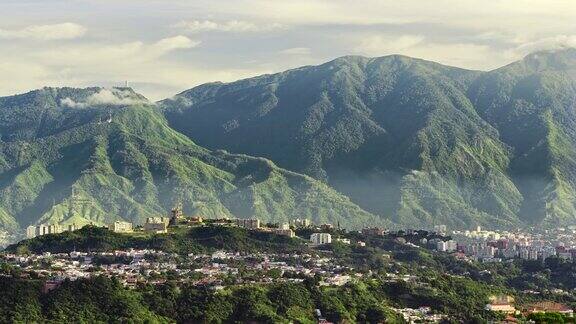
x=126, y=163
x=412, y=141
x=396, y=276
x=180, y=240
x=98, y=300
x=104, y=300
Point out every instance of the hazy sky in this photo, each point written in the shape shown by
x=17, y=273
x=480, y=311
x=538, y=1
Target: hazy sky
x=163, y=47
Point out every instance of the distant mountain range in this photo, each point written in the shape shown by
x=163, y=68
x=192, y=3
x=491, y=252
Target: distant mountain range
x=411, y=142
x=99, y=155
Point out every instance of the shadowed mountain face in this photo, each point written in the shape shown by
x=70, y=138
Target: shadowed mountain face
x=413, y=141
x=100, y=155
x=532, y=104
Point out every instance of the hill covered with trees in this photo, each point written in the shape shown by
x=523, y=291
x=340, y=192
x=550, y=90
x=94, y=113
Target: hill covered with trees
x=409, y=139
x=183, y=241
x=100, y=155
x=390, y=140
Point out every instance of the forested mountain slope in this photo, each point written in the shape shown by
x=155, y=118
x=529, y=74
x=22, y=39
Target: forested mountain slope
x=415, y=141
x=100, y=155
x=532, y=104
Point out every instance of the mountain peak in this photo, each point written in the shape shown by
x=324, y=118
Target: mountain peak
x=393, y=58
x=78, y=97
x=117, y=96
x=559, y=59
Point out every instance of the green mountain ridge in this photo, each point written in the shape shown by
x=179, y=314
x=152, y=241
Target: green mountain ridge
x=411, y=140
x=98, y=155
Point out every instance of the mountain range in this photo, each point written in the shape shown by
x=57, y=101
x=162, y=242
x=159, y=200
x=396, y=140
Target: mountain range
x=413, y=141
x=357, y=141
x=100, y=155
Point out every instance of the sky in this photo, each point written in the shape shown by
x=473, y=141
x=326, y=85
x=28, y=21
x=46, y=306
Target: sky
x=162, y=47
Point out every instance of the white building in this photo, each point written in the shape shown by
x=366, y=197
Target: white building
x=451, y=246
x=43, y=229
x=486, y=252
x=441, y=229
x=157, y=224
x=31, y=231
x=320, y=238
x=441, y=246
x=446, y=246
x=286, y=232
x=120, y=227
x=301, y=222
x=248, y=223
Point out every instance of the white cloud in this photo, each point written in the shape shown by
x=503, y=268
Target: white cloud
x=45, y=32
x=19, y=75
x=113, y=54
x=296, y=51
x=548, y=43
x=465, y=55
x=233, y=26
x=114, y=97
x=96, y=63
x=378, y=45
x=69, y=102
x=173, y=43
x=242, y=38
x=468, y=55
x=517, y=15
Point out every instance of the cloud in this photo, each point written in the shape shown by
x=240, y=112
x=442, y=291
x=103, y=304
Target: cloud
x=517, y=15
x=242, y=38
x=20, y=75
x=548, y=43
x=377, y=45
x=113, y=97
x=149, y=66
x=114, y=54
x=464, y=55
x=296, y=51
x=468, y=55
x=231, y=26
x=45, y=32
x=173, y=43
x=69, y=102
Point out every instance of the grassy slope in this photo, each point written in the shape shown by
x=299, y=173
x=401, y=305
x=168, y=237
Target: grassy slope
x=136, y=166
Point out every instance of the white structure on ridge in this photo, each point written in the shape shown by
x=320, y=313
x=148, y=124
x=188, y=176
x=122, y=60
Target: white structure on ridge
x=120, y=227
x=248, y=223
x=43, y=229
x=320, y=238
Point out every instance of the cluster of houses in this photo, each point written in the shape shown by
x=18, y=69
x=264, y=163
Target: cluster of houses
x=255, y=224
x=422, y=314
x=133, y=267
x=496, y=246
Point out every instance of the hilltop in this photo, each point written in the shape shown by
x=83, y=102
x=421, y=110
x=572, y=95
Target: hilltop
x=183, y=241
